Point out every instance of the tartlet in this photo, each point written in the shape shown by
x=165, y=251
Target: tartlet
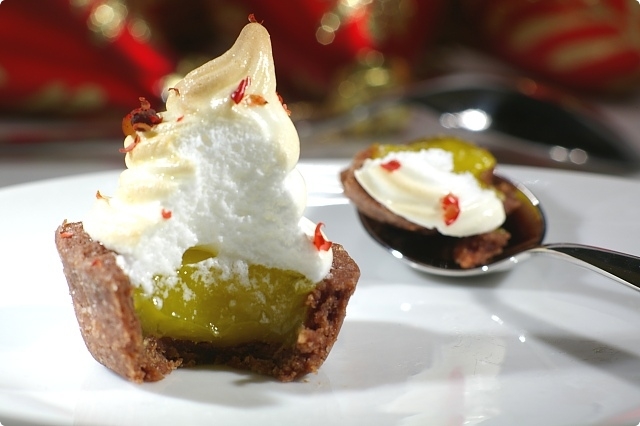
x=202, y=255
x=102, y=296
x=469, y=248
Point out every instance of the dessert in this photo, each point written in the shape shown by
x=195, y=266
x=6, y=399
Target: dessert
x=202, y=255
x=443, y=188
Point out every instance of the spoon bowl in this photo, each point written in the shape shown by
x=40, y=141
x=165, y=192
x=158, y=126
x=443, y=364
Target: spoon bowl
x=527, y=225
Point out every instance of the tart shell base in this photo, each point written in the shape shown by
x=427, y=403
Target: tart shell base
x=102, y=296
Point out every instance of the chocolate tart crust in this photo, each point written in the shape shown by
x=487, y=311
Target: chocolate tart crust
x=102, y=297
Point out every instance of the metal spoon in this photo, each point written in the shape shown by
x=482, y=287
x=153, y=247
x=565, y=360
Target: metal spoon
x=496, y=113
x=527, y=226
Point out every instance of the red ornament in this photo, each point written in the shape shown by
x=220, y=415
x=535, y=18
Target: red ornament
x=57, y=58
x=314, y=40
x=591, y=46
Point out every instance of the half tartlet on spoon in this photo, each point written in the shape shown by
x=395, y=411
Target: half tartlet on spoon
x=435, y=252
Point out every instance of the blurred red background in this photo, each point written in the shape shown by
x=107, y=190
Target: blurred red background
x=95, y=56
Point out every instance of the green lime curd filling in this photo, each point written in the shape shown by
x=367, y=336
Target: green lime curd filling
x=228, y=306
x=467, y=157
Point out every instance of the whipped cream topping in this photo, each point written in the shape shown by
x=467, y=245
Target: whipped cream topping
x=416, y=186
x=219, y=172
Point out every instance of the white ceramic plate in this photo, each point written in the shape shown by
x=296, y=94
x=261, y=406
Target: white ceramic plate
x=545, y=344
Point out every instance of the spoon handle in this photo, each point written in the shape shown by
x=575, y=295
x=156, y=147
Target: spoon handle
x=621, y=267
